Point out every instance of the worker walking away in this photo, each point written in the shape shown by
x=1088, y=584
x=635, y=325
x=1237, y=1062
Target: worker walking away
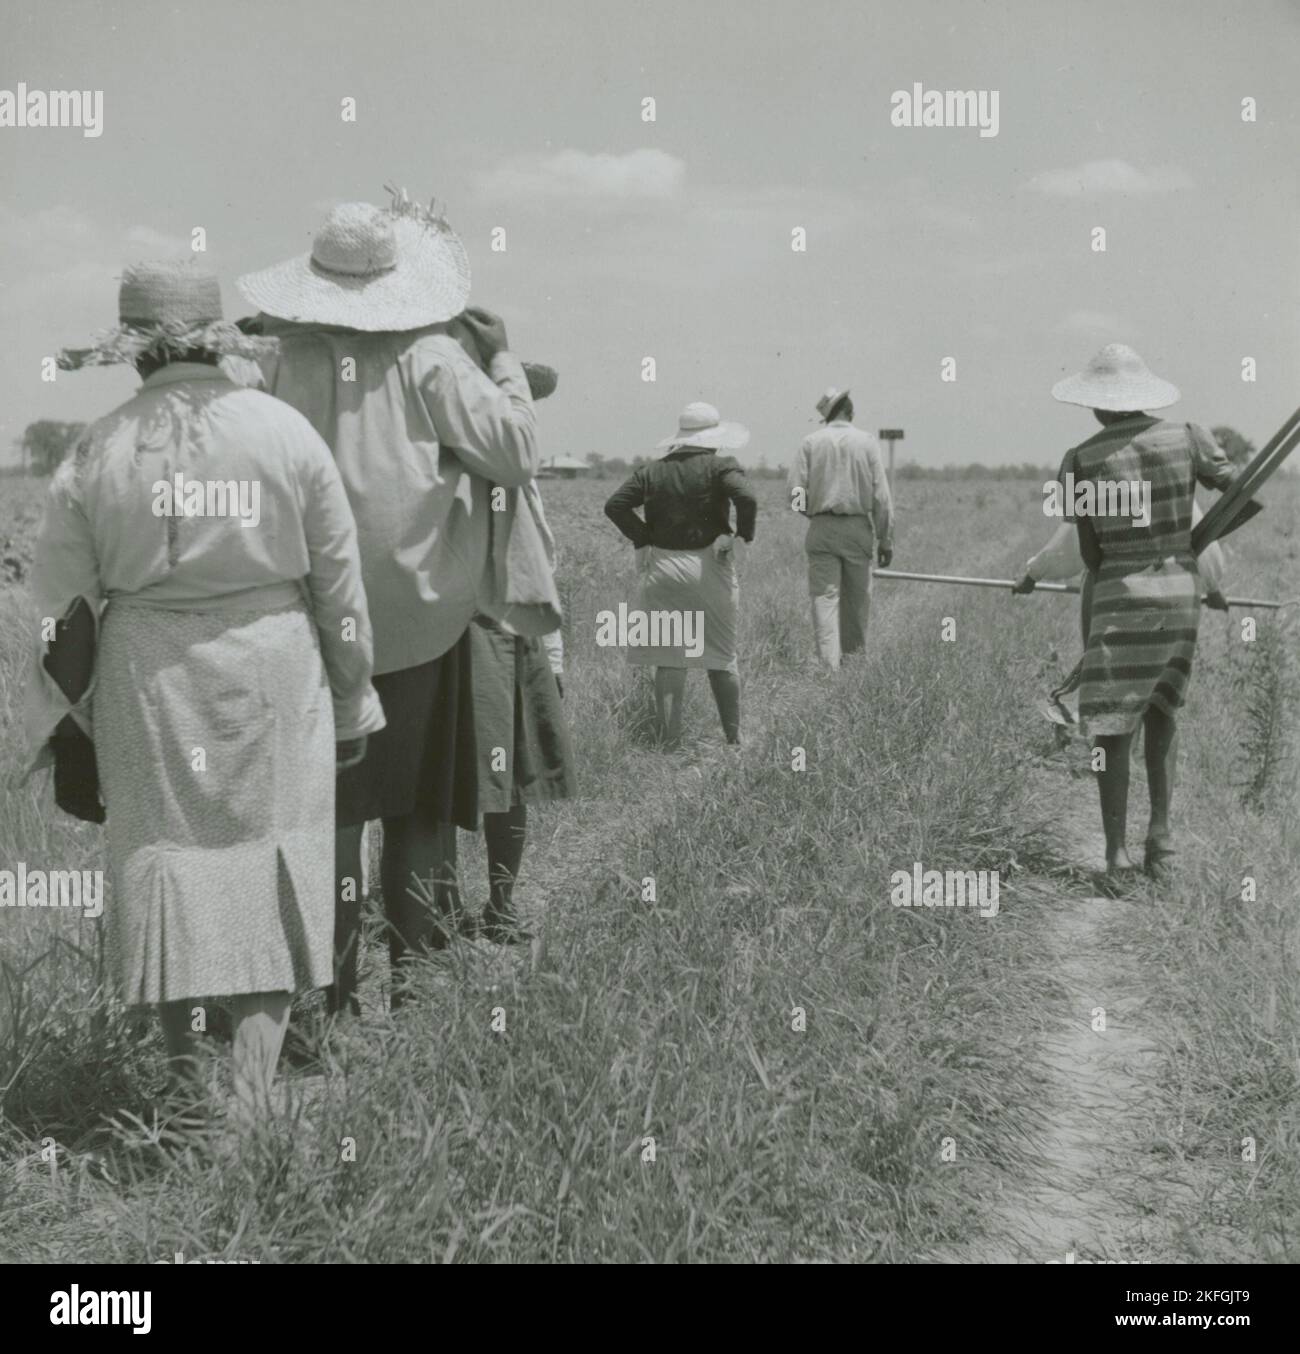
x=838, y=482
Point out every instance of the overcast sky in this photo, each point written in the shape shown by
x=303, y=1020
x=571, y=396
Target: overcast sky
x=672, y=239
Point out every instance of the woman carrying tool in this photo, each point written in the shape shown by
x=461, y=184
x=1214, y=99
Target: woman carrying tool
x=1142, y=623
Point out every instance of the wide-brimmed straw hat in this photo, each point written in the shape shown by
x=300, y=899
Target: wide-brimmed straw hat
x=829, y=400
x=698, y=425
x=370, y=268
x=1119, y=380
x=165, y=308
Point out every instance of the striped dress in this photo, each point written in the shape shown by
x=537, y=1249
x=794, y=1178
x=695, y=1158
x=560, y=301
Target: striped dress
x=1147, y=594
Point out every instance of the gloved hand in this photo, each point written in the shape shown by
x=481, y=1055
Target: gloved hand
x=1025, y=586
x=883, y=556
x=1215, y=600
x=76, y=772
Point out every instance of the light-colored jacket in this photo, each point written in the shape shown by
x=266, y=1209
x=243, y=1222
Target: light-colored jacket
x=102, y=537
x=436, y=457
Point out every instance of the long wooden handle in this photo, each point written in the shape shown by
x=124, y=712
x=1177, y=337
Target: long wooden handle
x=1228, y=511
x=904, y=576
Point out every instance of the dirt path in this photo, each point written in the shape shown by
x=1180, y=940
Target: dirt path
x=1099, y=1059
x=1084, y=1199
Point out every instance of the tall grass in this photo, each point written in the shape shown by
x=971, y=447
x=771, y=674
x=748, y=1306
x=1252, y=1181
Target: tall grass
x=1221, y=951
x=806, y=1057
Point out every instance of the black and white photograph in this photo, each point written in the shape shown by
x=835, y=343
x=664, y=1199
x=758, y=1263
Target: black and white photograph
x=644, y=632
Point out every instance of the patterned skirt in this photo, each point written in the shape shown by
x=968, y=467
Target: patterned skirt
x=214, y=733
x=1141, y=641
x=697, y=583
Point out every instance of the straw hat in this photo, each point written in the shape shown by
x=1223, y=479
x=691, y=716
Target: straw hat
x=165, y=308
x=370, y=268
x=1119, y=380
x=698, y=425
x=829, y=400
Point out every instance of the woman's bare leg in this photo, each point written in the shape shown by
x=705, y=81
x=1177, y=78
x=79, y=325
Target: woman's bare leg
x=504, y=835
x=726, y=696
x=417, y=850
x=182, y=1047
x=1161, y=759
x=260, y=1021
x=342, y=994
x=670, y=692
x=1112, y=786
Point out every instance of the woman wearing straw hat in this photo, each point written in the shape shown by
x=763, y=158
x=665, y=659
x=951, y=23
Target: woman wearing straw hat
x=686, y=557
x=232, y=652
x=1145, y=603
x=436, y=454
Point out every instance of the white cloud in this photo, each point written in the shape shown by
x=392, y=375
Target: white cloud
x=61, y=257
x=1109, y=176
x=640, y=175
x=1094, y=322
x=47, y=229
x=959, y=220
x=1003, y=265
x=59, y=241
x=155, y=244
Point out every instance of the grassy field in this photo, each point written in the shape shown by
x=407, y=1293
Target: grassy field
x=769, y=1061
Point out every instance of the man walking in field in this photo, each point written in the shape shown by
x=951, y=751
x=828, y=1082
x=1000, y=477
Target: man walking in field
x=838, y=482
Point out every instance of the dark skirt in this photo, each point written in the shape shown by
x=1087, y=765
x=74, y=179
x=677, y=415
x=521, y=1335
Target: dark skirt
x=479, y=730
x=524, y=752
x=424, y=761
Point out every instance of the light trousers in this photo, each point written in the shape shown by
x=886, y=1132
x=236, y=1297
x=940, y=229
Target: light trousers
x=841, y=551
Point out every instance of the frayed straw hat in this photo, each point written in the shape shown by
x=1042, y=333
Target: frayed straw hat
x=1116, y=379
x=166, y=309
x=370, y=268
x=698, y=425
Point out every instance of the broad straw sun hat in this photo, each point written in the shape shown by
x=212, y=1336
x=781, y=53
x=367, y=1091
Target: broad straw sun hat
x=1116, y=379
x=698, y=425
x=370, y=268
x=829, y=400
x=165, y=308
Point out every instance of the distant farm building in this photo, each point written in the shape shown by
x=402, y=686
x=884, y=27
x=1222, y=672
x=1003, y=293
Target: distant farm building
x=563, y=468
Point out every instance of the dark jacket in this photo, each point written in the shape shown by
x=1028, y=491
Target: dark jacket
x=687, y=498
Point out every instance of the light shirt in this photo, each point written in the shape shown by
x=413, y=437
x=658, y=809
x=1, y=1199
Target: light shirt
x=421, y=435
x=840, y=469
x=102, y=540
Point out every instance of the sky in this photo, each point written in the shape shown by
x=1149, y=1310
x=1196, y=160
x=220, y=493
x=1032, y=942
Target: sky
x=671, y=239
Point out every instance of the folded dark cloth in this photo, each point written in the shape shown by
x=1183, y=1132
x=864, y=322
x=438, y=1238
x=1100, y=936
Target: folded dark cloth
x=76, y=773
